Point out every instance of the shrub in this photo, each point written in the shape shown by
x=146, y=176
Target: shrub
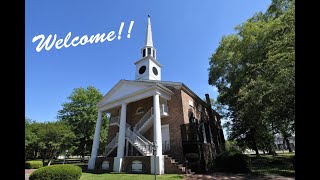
x=33, y=164
x=193, y=162
x=63, y=171
x=277, y=162
x=232, y=161
x=192, y=157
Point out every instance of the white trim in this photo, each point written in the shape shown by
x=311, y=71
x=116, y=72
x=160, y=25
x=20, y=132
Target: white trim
x=134, y=97
x=105, y=165
x=204, y=133
x=136, y=166
x=191, y=103
x=163, y=142
x=149, y=57
x=144, y=93
x=137, y=113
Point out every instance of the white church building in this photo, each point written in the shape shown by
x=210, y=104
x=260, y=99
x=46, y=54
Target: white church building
x=156, y=125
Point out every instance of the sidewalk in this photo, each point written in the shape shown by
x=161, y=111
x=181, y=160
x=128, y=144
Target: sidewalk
x=225, y=176
x=214, y=176
x=27, y=173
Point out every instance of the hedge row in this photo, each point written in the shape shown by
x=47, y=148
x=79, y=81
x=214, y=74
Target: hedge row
x=33, y=164
x=63, y=171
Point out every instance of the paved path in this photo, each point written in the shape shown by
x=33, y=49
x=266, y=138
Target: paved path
x=27, y=173
x=224, y=176
x=214, y=176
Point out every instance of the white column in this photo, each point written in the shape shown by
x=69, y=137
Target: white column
x=121, y=139
x=157, y=161
x=95, y=145
x=157, y=138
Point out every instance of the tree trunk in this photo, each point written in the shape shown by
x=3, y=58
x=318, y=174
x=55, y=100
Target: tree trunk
x=50, y=161
x=271, y=150
x=285, y=136
x=288, y=144
x=51, y=158
x=35, y=155
x=82, y=155
x=255, y=148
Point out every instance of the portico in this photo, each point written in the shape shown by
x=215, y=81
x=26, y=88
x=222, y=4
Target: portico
x=118, y=98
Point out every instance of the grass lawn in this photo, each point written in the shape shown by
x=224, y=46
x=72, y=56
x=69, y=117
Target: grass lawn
x=114, y=176
x=280, y=164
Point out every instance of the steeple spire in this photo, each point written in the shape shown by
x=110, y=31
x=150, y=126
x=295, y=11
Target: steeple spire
x=148, y=49
x=149, y=41
x=148, y=68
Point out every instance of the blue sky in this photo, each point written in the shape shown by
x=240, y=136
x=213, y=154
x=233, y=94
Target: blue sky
x=185, y=34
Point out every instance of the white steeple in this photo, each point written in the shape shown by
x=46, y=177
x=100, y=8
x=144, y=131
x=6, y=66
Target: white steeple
x=148, y=41
x=148, y=68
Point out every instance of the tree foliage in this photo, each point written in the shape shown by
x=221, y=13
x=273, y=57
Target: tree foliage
x=81, y=113
x=47, y=139
x=31, y=140
x=254, y=71
x=54, y=138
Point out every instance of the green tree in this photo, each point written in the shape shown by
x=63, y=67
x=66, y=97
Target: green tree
x=47, y=139
x=231, y=145
x=31, y=140
x=81, y=113
x=54, y=138
x=254, y=73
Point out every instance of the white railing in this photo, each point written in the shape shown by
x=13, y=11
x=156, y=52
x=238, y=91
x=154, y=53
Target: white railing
x=143, y=147
x=143, y=120
x=112, y=144
x=115, y=120
x=143, y=138
x=163, y=109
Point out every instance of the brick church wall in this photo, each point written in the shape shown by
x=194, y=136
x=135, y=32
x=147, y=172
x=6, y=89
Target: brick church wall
x=175, y=119
x=178, y=108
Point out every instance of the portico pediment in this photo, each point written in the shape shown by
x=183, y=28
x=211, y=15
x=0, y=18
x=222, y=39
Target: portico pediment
x=126, y=90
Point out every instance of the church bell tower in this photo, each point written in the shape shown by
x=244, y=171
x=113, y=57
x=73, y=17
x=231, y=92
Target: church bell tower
x=148, y=68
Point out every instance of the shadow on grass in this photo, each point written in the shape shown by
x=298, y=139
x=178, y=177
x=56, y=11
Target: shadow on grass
x=85, y=169
x=286, y=173
x=175, y=177
x=278, y=165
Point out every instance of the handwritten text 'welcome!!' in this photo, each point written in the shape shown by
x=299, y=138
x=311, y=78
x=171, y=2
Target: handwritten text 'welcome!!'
x=77, y=40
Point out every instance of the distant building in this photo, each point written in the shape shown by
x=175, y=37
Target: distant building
x=282, y=145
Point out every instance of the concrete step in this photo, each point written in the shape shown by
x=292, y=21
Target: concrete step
x=179, y=165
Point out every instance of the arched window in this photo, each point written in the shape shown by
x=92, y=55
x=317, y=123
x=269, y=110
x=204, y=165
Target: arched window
x=191, y=117
x=105, y=165
x=136, y=166
x=140, y=110
x=203, y=133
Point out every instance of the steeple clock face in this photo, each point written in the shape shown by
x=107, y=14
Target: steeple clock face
x=155, y=71
x=142, y=69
